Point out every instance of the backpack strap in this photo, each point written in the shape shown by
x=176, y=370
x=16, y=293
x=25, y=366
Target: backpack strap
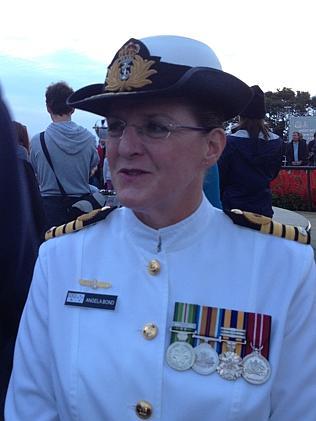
x=47, y=156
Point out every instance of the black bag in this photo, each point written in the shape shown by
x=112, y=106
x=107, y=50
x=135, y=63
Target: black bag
x=80, y=205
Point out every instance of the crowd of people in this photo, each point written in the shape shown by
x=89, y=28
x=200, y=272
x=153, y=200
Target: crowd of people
x=173, y=305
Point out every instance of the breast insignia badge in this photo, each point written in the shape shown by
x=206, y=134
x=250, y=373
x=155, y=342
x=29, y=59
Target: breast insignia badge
x=93, y=283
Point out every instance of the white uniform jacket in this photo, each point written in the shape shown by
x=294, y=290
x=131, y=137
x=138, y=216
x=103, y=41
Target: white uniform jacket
x=91, y=364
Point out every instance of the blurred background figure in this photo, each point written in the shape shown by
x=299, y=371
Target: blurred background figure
x=36, y=205
x=23, y=140
x=251, y=159
x=104, y=179
x=107, y=183
x=20, y=237
x=312, y=151
x=98, y=179
x=297, y=151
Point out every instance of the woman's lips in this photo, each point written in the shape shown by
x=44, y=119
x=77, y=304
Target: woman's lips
x=132, y=171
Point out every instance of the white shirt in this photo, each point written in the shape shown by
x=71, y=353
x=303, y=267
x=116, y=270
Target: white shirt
x=74, y=363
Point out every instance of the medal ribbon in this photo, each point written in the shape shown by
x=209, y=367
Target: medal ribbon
x=185, y=319
x=258, y=333
x=208, y=322
x=236, y=320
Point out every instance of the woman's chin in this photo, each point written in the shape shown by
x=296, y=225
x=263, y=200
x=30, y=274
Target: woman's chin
x=131, y=199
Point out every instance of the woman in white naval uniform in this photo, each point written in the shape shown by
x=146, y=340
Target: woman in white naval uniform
x=165, y=309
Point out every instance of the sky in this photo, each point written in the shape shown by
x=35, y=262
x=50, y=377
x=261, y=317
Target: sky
x=270, y=43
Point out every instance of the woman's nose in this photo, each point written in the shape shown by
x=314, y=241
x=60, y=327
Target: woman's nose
x=131, y=141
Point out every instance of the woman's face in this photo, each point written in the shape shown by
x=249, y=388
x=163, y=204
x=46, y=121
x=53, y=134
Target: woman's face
x=295, y=136
x=160, y=179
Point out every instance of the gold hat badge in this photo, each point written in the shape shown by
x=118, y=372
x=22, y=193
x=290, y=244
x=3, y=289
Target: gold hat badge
x=129, y=70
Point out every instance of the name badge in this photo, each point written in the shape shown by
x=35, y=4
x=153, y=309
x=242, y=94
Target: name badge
x=86, y=299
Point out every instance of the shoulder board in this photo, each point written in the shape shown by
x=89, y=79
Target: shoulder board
x=81, y=222
x=268, y=226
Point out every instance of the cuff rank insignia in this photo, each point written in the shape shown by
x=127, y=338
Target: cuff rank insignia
x=266, y=225
x=81, y=222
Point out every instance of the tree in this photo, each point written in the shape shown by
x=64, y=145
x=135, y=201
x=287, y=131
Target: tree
x=282, y=104
x=285, y=102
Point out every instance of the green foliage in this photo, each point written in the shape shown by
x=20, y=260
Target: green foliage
x=280, y=105
x=285, y=102
x=290, y=201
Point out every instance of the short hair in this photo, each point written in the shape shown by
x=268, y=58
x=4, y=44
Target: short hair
x=56, y=97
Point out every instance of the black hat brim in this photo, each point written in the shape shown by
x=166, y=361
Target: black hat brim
x=221, y=92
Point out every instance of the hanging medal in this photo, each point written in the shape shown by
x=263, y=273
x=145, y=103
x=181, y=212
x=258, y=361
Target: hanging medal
x=233, y=336
x=206, y=357
x=256, y=368
x=230, y=363
x=180, y=354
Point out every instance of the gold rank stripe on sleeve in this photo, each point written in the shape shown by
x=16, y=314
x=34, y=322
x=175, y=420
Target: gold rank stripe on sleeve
x=290, y=232
x=81, y=222
x=266, y=225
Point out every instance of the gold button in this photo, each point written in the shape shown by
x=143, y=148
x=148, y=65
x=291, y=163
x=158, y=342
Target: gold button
x=154, y=267
x=150, y=331
x=144, y=410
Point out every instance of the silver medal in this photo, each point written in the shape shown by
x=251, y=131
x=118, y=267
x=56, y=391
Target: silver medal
x=206, y=359
x=256, y=368
x=230, y=365
x=180, y=356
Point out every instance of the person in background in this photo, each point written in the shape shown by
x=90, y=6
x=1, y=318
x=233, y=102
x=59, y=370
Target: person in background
x=285, y=144
x=297, y=151
x=107, y=174
x=73, y=154
x=20, y=240
x=35, y=201
x=23, y=137
x=166, y=308
x=312, y=151
x=251, y=159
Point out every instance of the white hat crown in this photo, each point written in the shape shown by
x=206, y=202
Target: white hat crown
x=182, y=51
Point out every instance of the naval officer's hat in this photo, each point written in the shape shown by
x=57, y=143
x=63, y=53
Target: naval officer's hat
x=165, y=66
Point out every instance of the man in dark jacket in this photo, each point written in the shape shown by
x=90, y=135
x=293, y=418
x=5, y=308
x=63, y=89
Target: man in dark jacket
x=297, y=152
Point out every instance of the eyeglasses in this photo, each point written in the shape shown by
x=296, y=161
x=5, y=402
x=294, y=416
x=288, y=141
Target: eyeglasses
x=151, y=130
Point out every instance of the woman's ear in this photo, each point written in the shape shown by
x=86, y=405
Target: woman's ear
x=216, y=142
